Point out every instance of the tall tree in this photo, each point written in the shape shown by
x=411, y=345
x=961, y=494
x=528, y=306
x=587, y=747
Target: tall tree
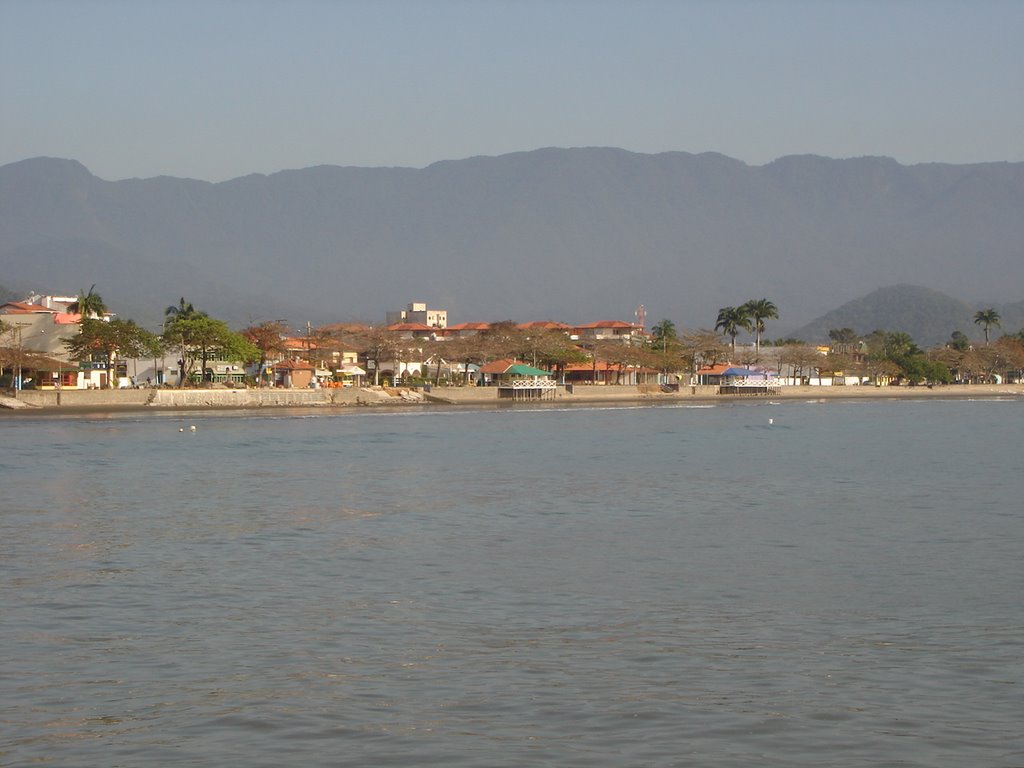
x=958, y=341
x=433, y=351
x=467, y=351
x=504, y=339
x=804, y=360
x=759, y=310
x=663, y=334
x=843, y=340
x=987, y=318
x=895, y=354
x=553, y=350
x=7, y=353
x=952, y=357
x=1011, y=349
x=268, y=338
x=182, y=309
x=376, y=345
x=200, y=338
x=102, y=341
x=701, y=348
x=731, y=320
x=88, y=304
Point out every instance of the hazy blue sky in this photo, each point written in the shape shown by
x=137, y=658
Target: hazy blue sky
x=214, y=89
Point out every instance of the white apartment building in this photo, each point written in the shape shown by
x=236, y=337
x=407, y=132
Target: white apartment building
x=417, y=312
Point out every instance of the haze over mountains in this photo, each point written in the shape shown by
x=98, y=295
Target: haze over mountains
x=568, y=234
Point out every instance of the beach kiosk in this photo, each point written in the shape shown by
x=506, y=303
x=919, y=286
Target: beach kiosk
x=518, y=381
x=746, y=381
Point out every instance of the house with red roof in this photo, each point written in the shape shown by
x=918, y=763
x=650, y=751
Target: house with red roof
x=38, y=332
x=495, y=369
x=518, y=381
x=605, y=372
x=293, y=374
x=21, y=308
x=607, y=329
x=411, y=330
x=463, y=330
x=712, y=375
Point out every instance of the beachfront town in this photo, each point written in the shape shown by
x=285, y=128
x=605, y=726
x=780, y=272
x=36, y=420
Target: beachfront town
x=53, y=342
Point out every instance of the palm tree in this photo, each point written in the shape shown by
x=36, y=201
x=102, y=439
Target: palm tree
x=663, y=333
x=759, y=310
x=88, y=304
x=987, y=318
x=184, y=309
x=731, y=320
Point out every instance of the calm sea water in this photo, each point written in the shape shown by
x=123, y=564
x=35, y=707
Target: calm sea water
x=660, y=586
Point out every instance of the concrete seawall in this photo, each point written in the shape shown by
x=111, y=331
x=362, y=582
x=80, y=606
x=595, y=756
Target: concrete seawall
x=240, y=398
x=31, y=400
x=86, y=398
x=579, y=394
x=102, y=399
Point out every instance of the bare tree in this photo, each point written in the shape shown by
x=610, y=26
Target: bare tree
x=268, y=338
x=376, y=345
x=702, y=348
x=802, y=358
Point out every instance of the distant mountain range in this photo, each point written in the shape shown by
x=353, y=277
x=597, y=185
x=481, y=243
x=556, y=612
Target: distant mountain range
x=568, y=234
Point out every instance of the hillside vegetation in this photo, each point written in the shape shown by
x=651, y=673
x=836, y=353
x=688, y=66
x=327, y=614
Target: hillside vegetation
x=928, y=316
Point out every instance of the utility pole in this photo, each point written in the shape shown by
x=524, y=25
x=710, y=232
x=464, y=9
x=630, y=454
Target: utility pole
x=21, y=355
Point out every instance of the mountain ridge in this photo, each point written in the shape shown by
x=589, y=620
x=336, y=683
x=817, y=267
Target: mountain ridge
x=569, y=233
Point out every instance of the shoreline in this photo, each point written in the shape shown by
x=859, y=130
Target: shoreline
x=77, y=402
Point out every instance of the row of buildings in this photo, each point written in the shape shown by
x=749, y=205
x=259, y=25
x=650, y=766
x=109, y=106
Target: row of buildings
x=33, y=354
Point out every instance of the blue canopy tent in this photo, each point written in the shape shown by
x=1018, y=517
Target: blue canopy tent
x=744, y=373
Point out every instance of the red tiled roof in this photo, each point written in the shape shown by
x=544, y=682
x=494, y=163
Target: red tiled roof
x=545, y=325
x=498, y=366
x=298, y=342
x=715, y=370
x=293, y=365
x=604, y=365
x=469, y=327
x=416, y=327
x=608, y=324
x=20, y=308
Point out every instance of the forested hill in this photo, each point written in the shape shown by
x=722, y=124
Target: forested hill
x=928, y=316
x=568, y=234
